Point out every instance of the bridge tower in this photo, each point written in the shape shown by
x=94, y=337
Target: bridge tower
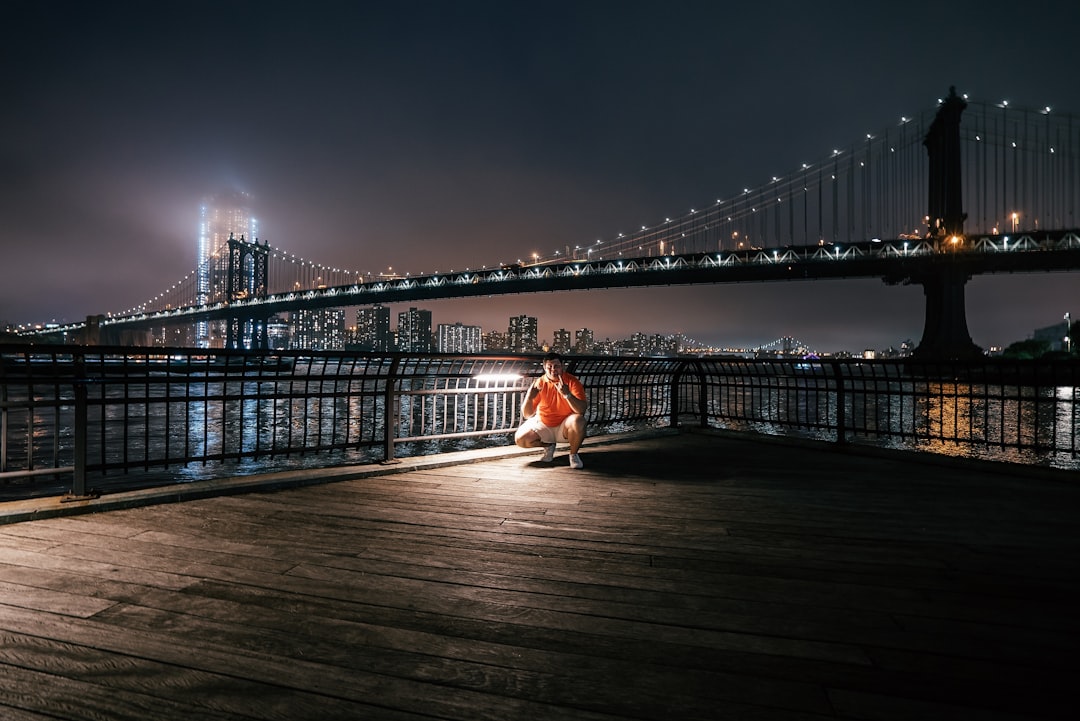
x=945, y=331
x=247, y=277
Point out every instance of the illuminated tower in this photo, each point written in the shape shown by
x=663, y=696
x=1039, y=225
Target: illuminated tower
x=459, y=338
x=522, y=334
x=220, y=216
x=414, y=331
x=373, y=329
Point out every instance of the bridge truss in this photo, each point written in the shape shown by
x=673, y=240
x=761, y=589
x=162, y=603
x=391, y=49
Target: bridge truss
x=1021, y=170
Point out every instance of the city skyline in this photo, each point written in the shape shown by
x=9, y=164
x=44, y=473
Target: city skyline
x=444, y=135
x=373, y=332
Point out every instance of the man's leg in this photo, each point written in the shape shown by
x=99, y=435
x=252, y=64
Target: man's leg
x=528, y=437
x=574, y=429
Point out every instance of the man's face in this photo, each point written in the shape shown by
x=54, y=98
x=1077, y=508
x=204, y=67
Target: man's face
x=554, y=368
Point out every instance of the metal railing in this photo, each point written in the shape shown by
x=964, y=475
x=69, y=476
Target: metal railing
x=72, y=417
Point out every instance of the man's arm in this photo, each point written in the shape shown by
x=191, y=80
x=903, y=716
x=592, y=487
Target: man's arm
x=578, y=405
x=528, y=405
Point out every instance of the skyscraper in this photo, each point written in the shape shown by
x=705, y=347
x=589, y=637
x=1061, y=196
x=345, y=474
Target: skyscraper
x=459, y=338
x=227, y=214
x=373, y=329
x=318, y=329
x=414, y=331
x=583, y=341
x=522, y=334
x=560, y=342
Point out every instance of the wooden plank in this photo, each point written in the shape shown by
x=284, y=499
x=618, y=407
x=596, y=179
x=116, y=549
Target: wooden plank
x=656, y=583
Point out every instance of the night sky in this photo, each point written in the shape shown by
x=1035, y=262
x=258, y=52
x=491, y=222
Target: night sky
x=425, y=135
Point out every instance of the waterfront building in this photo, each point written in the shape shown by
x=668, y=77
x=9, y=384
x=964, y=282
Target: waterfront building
x=373, y=331
x=414, y=331
x=1054, y=336
x=278, y=333
x=560, y=342
x=459, y=338
x=584, y=341
x=495, y=341
x=522, y=334
x=228, y=214
x=604, y=347
x=319, y=329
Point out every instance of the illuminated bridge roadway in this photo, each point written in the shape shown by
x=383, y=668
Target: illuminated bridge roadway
x=941, y=266
x=815, y=222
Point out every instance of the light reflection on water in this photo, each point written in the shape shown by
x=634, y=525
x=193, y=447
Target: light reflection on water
x=1013, y=424
x=952, y=419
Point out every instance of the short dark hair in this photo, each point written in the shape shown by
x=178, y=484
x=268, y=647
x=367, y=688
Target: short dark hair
x=550, y=357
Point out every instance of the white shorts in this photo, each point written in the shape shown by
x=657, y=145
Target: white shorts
x=548, y=434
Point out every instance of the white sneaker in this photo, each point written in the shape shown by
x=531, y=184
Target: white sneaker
x=575, y=461
x=549, y=453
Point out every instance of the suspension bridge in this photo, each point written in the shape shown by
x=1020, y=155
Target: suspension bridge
x=960, y=189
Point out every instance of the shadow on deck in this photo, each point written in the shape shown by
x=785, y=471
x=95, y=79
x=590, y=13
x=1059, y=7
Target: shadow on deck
x=680, y=576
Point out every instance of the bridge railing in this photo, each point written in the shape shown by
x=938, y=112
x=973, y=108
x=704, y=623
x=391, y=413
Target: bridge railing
x=79, y=420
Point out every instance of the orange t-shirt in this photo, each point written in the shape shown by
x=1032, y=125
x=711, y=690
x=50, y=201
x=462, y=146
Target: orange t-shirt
x=550, y=404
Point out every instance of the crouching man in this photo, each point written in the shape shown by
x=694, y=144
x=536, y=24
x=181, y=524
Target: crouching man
x=554, y=410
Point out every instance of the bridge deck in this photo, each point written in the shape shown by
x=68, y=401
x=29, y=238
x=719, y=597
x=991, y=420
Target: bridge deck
x=680, y=577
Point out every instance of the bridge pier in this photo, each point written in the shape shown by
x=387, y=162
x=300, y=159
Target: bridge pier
x=248, y=277
x=945, y=332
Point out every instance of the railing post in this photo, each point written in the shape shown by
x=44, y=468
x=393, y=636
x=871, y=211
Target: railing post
x=703, y=396
x=391, y=411
x=676, y=381
x=80, y=423
x=841, y=404
x=673, y=394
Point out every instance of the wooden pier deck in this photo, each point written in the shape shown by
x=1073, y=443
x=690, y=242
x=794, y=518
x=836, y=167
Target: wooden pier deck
x=690, y=576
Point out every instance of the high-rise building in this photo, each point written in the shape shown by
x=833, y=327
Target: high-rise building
x=373, y=329
x=560, y=341
x=495, y=341
x=522, y=336
x=318, y=329
x=583, y=341
x=458, y=338
x=227, y=214
x=278, y=333
x=414, y=331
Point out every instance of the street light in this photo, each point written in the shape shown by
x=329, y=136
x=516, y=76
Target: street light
x=1068, y=333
